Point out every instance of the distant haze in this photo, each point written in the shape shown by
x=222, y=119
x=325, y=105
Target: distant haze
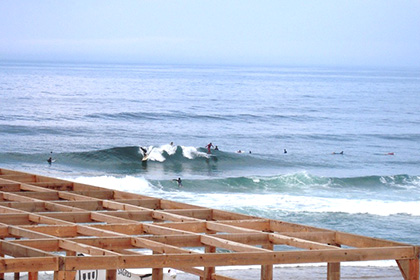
x=356, y=33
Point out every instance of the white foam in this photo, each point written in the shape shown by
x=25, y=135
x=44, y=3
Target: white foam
x=126, y=183
x=192, y=152
x=272, y=202
x=263, y=202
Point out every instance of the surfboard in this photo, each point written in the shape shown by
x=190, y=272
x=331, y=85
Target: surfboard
x=145, y=157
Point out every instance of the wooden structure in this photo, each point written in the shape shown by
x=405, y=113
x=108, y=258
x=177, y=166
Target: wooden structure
x=45, y=222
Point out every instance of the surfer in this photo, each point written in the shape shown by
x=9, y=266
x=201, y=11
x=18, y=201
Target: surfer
x=216, y=148
x=340, y=153
x=179, y=181
x=285, y=151
x=209, y=146
x=144, y=151
x=50, y=159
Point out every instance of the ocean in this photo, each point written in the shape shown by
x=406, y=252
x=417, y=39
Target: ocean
x=92, y=120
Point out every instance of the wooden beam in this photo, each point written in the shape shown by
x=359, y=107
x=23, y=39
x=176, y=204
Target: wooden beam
x=297, y=242
x=29, y=264
x=19, y=250
x=85, y=249
x=247, y=258
x=229, y=245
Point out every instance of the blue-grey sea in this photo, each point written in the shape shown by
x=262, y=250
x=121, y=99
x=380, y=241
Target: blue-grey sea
x=92, y=120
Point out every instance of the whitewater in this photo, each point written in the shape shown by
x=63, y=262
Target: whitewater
x=93, y=120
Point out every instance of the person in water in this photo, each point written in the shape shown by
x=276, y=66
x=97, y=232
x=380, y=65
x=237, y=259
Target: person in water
x=340, y=153
x=144, y=151
x=179, y=181
x=50, y=159
x=209, y=146
x=285, y=151
x=216, y=148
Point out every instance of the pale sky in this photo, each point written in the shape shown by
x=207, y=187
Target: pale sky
x=260, y=32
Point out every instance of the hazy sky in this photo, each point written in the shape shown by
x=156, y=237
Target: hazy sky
x=282, y=32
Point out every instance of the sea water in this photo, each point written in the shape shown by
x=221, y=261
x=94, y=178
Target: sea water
x=93, y=119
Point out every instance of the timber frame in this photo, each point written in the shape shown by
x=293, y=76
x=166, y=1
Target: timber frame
x=45, y=222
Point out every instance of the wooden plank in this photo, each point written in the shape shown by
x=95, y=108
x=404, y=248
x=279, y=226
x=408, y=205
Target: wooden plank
x=165, y=216
x=247, y=258
x=25, y=206
x=85, y=249
x=149, y=203
x=47, y=245
x=297, y=242
x=202, y=214
x=26, y=233
x=15, y=219
x=220, y=215
x=282, y=226
x=55, y=230
x=73, y=217
x=18, y=250
x=29, y=264
x=100, y=194
x=121, y=206
x=360, y=241
x=132, y=215
x=255, y=224
x=89, y=205
x=57, y=186
x=9, y=187
x=194, y=227
x=158, y=247
x=229, y=245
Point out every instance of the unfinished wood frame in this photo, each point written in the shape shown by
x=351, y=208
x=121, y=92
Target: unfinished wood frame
x=45, y=222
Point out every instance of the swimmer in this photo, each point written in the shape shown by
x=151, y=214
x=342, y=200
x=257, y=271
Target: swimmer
x=179, y=181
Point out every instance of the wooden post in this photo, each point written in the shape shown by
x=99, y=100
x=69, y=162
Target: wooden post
x=59, y=275
x=111, y=274
x=157, y=274
x=267, y=270
x=208, y=271
x=333, y=272
x=413, y=269
x=33, y=275
x=1, y=256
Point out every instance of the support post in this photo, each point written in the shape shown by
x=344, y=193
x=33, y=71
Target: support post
x=59, y=275
x=209, y=271
x=33, y=275
x=111, y=274
x=333, y=272
x=267, y=269
x=413, y=269
x=157, y=274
